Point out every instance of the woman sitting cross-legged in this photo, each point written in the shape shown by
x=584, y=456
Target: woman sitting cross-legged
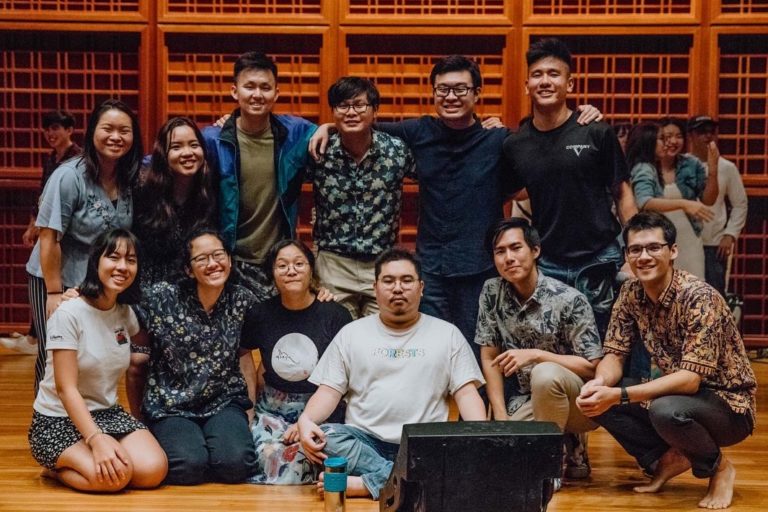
x=79, y=432
x=195, y=398
x=291, y=330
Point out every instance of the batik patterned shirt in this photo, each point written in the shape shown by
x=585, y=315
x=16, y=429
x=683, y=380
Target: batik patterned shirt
x=194, y=366
x=689, y=328
x=358, y=205
x=555, y=318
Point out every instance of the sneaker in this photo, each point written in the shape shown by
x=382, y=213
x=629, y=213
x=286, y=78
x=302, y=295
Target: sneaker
x=19, y=343
x=576, y=458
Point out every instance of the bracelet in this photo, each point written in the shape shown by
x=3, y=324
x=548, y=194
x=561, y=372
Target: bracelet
x=54, y=293
x=90, y=437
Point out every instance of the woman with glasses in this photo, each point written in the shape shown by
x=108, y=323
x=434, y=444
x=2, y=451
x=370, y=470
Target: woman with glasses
x=676, y=184
x=174, y=197
x=291, y=331
x=193, y=396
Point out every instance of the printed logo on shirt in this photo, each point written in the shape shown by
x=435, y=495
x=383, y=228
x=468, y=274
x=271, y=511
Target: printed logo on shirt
x=294, y=357
x=398, y=353
x=578, y=148
x=120, y=336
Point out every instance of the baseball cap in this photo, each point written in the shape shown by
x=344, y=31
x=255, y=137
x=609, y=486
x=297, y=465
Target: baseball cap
x=698, y=121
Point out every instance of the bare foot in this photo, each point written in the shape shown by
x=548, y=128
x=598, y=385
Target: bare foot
x=671, y=464
x=720, y=492
x=355, y=487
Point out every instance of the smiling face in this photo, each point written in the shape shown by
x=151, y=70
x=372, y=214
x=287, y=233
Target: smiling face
x=514, y=259
x=292, y=272
x=113, y=137
x=118, y=269
x=654, y=272
x=549, y=82
x=352, y=122
x=456, y=111
x=256, y=92
x=58, y=137
x=674, y=140
x=209, y=263
x=185, y=151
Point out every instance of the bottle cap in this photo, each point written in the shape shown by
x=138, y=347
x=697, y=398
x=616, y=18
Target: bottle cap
x=335, y=478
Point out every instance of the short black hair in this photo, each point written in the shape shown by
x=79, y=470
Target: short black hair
x=396, y=254
x=646, y=220
x=348, y=87
x=457, y=63
x=530, y=234
x=548, y=47
x=271, y=258
x=254, y=60
x=65, y=119
x=105, y=244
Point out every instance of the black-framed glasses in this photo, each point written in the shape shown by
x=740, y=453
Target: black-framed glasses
x=458, y=90
x=653, y=249
x=201, y=260
x=360, y=108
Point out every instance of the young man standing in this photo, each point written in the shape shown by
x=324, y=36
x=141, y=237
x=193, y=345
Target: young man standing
x=393, y=368
x=258, y=160
x=719, y=235
x=573, y=174
x=705, y=397
x=537, y=332
x=357, y=190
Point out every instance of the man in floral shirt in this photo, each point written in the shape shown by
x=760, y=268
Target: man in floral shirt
x=705, y=396
x=540, y=334
x=357, y=192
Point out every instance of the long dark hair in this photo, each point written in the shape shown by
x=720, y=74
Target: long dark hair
x=128, y=165
x=641, y=146
x=156, y=210
x=105, y=244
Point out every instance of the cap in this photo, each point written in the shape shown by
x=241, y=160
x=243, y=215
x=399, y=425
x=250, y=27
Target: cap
x=699, y=121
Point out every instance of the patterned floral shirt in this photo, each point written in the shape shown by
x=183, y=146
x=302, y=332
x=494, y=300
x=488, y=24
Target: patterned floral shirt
x=194, y=368
x=358, y=205
x=555, y=318
x=689, y=328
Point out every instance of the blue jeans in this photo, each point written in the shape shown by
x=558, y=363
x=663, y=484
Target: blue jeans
x=456, y=300
x=594, y=276
x=696, y=425
x=714, y=269
x=218, y=448
x=367, y=457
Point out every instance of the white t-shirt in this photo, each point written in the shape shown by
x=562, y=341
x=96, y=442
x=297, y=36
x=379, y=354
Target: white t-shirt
x=102, y=340
x=391, y=378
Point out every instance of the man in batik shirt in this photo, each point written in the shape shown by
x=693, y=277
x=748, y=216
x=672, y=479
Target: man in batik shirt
x=537, y=332
x=705, y=396
x=357, y=193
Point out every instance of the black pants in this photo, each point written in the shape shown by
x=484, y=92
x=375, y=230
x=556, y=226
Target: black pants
x=697, y=425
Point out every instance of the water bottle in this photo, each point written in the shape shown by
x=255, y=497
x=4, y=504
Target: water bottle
x=335, y=484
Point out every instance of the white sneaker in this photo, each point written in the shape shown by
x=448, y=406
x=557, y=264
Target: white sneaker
x=19, y=343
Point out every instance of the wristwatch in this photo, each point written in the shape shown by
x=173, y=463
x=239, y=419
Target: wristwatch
x=624, y=396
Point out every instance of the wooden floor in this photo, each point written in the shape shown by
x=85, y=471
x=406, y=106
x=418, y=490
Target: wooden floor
x=609, y=489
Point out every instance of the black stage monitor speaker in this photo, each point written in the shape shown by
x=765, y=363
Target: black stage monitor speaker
x=474, y=466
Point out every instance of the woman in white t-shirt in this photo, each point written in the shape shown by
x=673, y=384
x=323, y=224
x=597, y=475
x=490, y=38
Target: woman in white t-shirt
x=79, y=432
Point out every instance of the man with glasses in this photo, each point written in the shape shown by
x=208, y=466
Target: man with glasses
x=705, y=396
x=730, y=208
x=393, y=368
x=357, y=191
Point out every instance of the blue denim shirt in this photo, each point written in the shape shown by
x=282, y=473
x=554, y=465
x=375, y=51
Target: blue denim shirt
x=460, y=191
x=690, y=176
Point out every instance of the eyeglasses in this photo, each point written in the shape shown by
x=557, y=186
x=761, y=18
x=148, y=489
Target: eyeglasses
x=201, y=260
x=360, y=108
x=459, y=90
x=406, y=283
x=298, y=266
x=653, y=249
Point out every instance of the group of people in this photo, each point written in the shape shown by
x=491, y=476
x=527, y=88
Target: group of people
x=531, y=309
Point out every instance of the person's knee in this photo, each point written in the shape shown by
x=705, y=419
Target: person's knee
x=150, y=471
x=189, y=469
x=663, y=412
x=234, y=467
x=546, y=377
